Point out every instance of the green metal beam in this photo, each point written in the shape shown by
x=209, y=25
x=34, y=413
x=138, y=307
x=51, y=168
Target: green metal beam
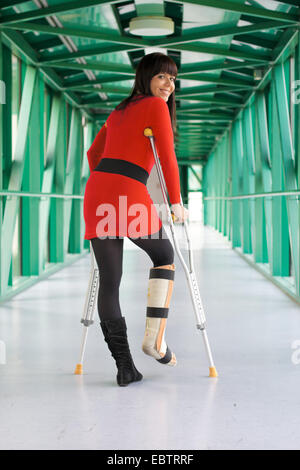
x=287, y=43
x=72, y=164
x=31, y=181
x=249, y=175
x=99, y=66
x=257, y=40
x=185, y=69
x=48, y=176
x=82, y=84
x=220, y=4
x=238, y=52
x=243, y=9
x=264, y=179
x=211, y=78
x=20, y=45
x=219, y=64
x=2, y=76
x=72, y=30
x=195, y=34
x=219, y=30
x=239, y=84
x=11, y=3
x=86, y=51
x=53, y=10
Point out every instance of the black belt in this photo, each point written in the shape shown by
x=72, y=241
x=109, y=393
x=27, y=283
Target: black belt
x=123, y=167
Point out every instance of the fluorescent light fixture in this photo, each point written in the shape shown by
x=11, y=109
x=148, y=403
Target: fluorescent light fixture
x=151, y=26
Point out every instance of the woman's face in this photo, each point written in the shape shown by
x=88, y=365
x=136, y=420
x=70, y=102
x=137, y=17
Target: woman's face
x=162, y=85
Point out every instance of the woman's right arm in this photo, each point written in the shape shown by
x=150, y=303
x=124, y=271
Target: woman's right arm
x=160, y=123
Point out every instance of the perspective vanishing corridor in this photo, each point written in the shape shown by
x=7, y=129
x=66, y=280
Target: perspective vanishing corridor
x=64, y=67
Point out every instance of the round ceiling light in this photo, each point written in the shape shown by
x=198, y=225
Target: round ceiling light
x=151, y=26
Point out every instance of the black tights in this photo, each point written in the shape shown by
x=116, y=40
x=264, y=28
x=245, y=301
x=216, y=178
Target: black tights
x=109, y=257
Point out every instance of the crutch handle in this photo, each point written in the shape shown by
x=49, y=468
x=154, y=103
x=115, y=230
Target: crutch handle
x=148, y=132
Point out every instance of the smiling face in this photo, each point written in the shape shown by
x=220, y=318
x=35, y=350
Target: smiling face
x=163, y=85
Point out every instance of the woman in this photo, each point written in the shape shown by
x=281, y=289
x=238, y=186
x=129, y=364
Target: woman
x=120, y=161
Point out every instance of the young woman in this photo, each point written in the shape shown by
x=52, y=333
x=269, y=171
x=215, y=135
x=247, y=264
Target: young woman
x=120, y=160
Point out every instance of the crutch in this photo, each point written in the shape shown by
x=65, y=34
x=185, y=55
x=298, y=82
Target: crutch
x=89, y=308
x=189, y=272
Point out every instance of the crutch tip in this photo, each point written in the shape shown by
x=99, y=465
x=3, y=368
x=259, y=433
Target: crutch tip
x=213, y=372
x=78, y=370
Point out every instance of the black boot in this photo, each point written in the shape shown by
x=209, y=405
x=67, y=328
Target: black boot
x=115, y=335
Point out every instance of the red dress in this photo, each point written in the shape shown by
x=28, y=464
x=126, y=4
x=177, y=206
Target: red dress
x=118, y=205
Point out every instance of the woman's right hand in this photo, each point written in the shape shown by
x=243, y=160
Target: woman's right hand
x=180, y=212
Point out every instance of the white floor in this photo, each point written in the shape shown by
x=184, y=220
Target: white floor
x=252, y=326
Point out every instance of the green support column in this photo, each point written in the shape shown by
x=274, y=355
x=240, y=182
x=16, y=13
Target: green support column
x=280, y=224
x=7, y=114
x=264, y=164
x=31, y=183
x=246, y=216
x=248, y=181
x=48, y=176
x=218, y=172
x=15, y=181
x=75, y=238
x=204, y=195
x=2, y=103
x=211, y=208
x=85, y=172
x=7, y=127
x=260, y=239
x=290, y=181
x=229, y=185
x=297, y=122
x=184, y=184
x=70, y=175
x=236, y=191
x=56, y=232
x=297, y=75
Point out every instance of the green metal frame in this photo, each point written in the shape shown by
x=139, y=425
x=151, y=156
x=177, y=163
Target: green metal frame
x=48, y=159
x=264, y=154
x=237, y=122
x=268, y=31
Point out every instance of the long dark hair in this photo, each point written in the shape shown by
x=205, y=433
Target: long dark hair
x=150, y=65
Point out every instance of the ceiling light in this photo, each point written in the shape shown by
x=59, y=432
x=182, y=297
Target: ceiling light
x=151, y=26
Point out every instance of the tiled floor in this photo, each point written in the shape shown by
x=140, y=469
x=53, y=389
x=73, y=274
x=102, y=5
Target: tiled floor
x=252, y=327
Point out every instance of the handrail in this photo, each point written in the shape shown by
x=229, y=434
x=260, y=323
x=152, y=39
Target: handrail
x=40, y=195
x=253, y=196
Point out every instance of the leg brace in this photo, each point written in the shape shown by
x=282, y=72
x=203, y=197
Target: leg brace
x=160, y=288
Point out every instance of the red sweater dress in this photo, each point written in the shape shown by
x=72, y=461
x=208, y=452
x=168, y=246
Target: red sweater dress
x=118, y=205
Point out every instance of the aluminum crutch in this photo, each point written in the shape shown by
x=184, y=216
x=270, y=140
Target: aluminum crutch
x=189, y=272
x=89, y=308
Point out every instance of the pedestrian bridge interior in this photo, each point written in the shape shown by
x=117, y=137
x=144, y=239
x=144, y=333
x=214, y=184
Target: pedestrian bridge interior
x=64, y=67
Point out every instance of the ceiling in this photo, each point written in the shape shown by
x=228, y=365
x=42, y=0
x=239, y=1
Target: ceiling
x=223, y=53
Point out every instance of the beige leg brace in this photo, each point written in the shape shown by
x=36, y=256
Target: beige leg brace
x=160, y=287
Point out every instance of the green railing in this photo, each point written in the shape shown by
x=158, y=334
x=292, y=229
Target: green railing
x=43, y=172
x=251, y=179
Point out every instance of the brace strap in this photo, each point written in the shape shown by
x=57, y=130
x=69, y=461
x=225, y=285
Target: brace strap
x=161, y=281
